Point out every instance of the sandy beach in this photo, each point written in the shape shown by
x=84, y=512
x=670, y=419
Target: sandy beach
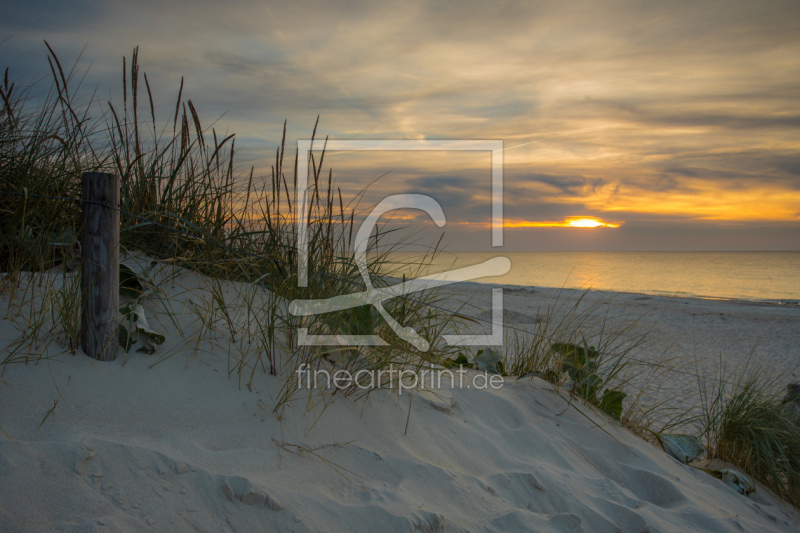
x=182, y=441
x=697, y=335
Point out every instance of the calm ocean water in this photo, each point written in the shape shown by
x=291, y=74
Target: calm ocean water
x=771, y=276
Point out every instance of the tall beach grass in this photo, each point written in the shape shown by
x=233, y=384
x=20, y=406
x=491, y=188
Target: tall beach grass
x=745, y=421
x=183, y=203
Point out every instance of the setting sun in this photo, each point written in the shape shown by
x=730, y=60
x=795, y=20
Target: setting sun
x=588, y=223
x=570, y=222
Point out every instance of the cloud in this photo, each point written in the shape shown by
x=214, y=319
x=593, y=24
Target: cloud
x=663, y=109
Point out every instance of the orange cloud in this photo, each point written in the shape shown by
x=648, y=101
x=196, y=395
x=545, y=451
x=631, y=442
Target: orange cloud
x=705, y=202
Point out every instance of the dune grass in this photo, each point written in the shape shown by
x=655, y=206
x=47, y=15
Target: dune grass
x=183, y=203
x=590, y=351
x=745, y=421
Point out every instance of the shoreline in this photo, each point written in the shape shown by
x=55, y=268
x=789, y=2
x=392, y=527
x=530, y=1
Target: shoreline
x=745, y=301
x=783, y=303
x=754, y=276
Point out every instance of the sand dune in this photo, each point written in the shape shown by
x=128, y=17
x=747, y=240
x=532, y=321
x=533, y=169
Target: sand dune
x=184, y=446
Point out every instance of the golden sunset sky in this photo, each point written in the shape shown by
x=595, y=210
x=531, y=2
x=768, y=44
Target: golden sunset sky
x=674, y=125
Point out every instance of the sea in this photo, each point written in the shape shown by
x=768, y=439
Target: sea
x=756, y=276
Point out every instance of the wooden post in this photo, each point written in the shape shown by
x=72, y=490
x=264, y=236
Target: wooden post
x=100, y=266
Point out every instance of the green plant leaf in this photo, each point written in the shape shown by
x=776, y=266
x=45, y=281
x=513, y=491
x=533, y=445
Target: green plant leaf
x=129, y=283
x=611, y=403
x=488, y=360
x=460, y=361
x=575, y=352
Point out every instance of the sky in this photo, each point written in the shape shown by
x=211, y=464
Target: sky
x=666, y=125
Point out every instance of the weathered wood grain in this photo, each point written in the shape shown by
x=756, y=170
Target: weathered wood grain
x=100, y=266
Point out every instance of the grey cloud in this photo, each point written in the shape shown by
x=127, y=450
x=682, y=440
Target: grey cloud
x=790, y=165
x=690, y=111
x=730, y=121
x=567, y=184
x=681, y=171
x=50, y=16
x=454, y=193
x=679, y=93
x=538, y=209
x=240, y=63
